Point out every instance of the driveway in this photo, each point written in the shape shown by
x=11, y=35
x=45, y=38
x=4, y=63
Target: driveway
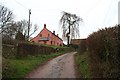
x=59, y=67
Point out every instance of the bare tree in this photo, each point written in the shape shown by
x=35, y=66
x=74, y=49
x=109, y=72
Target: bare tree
x=13, y=29
x=5, y=17
x=22, y=27
x=35, y=29
x=70, y=25
x=9, y=29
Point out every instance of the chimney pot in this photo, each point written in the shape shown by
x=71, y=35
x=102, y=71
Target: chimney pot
x=57, y=34
x=44, y=25
x=53, y=32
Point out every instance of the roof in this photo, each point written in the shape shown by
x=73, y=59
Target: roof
x=52, y=33
x=76, y=41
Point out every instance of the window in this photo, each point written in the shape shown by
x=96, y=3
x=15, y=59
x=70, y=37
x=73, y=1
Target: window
x=51, y=42
x=48, y=35
x=45, y=42
x=40, y=35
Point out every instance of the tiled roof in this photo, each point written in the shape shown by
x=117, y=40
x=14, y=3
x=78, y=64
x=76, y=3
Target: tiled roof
x=54, y=34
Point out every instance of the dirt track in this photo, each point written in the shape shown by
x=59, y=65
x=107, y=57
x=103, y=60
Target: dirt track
x=59, y=67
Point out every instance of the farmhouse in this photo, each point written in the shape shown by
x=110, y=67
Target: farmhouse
x=47, y=37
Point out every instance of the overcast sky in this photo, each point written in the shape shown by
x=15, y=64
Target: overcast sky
x=96, y=14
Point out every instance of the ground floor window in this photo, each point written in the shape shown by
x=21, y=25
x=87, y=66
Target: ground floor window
x=51, y=42
x=45, y=42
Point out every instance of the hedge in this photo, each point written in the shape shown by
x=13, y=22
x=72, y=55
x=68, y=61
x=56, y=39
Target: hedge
x=9, y=51
x=25, y=49
x=104, y=52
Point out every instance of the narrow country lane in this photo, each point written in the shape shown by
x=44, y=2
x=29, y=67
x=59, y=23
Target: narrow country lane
x=59, y=67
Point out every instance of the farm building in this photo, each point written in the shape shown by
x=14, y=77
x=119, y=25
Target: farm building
x=47, y=37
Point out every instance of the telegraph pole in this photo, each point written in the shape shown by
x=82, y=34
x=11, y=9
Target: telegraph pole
x=29, y=23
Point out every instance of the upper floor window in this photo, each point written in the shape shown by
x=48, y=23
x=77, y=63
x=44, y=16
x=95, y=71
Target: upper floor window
x=48, y=35
x=40, y=35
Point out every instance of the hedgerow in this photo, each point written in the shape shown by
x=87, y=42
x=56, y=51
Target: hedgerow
x=104, y=52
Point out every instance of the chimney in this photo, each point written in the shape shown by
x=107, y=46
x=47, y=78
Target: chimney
x=57, y=35
x=53, y=32
x=44, y=25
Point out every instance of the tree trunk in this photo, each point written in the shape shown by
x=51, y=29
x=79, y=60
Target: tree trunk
x=68, y=37
x=68, y=41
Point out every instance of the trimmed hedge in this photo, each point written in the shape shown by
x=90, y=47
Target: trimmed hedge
x=104, y=53
x=66, y=49
x=82, y=46
x=24, y=49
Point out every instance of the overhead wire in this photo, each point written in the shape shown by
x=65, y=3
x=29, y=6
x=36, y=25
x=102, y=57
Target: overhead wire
x=93, y=7
x=21, y=5
x=107, y=12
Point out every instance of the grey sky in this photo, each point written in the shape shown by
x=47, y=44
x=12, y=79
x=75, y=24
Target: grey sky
x=96, y=14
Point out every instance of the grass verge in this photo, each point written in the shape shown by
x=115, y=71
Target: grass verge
x=18, y=68
x=81, y=61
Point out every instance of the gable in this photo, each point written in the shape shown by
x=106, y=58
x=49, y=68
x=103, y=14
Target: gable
x=45, y=33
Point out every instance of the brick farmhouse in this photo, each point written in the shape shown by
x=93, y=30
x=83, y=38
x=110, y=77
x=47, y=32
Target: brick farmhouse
x=47, y=37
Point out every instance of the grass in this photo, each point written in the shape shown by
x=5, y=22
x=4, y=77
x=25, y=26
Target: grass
x=81, y=61
x=18, y=68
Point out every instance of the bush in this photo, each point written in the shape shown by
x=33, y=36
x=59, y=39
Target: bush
x=25, y=49
x=104, y=53
x=65, y=49
x=74, y=46
x=20, y=36
x=9, y=51
x=82, y=46
x=82, y=61
x=7, y=40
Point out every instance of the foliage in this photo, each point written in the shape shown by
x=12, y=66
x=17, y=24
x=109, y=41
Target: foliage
x=82, y=46
x=82, y=62
x=104, y=53
x=6, y=39
x=22, y=27
x=20, y=36
x=9, y=51
x=25, y=49
x=74, y=46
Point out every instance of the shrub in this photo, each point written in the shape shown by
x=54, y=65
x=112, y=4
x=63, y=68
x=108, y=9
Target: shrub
x=104, y=52
x=65, y=49
x=9, y=51
x=82, y=46
x=25, y=49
